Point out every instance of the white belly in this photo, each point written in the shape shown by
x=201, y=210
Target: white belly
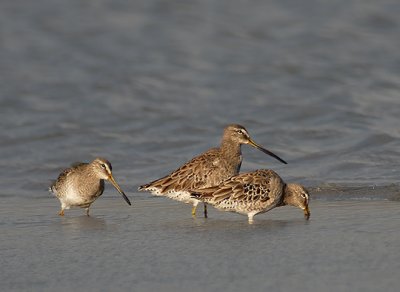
x=73, y=198
x=181, y=196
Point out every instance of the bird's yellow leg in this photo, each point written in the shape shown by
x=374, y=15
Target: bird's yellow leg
x=194, y=210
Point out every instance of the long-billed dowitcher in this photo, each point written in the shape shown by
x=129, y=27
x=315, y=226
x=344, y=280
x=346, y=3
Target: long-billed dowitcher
x=253, y=193
x=206, y=170
x=81, y=184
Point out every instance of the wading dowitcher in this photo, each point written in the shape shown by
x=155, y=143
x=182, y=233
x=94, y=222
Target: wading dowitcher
x=206, y=170
x=81, y=184
x=253, y=193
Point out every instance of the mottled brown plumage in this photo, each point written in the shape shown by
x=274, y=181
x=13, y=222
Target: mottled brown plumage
x=82, y=183
x=253, y=193
x=206, y=170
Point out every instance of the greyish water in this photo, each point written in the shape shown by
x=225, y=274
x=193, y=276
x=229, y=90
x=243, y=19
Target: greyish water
x=148, y=85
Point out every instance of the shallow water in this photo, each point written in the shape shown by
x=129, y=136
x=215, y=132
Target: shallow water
x=345, y=246
x=148, y=85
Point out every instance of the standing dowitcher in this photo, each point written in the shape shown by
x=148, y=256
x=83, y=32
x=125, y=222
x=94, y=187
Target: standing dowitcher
x=206, y=170
x=81, y=184
x=255, y=192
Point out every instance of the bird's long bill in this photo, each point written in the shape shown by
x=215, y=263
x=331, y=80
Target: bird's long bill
x=307, y=212
x=255, y=145
x=114, y=183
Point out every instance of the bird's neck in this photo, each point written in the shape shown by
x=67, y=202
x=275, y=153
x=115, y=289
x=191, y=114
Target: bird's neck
x=231, y=149
x=231, y=156
x=287, y=195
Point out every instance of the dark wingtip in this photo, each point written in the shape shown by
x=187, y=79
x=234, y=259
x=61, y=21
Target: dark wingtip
x=144, y=187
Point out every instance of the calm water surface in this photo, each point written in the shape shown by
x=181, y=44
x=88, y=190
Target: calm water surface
x=150, y=84
x=345, y=246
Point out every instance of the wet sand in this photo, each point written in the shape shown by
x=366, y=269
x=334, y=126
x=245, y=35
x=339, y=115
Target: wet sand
x=155, y=244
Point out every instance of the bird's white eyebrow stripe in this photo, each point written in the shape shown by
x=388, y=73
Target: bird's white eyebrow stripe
x=107, y=167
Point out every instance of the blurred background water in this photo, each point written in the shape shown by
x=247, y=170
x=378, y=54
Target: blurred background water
x=149, y=84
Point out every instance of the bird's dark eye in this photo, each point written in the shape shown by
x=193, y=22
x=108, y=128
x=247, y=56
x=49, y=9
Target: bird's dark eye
x=103, y=165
